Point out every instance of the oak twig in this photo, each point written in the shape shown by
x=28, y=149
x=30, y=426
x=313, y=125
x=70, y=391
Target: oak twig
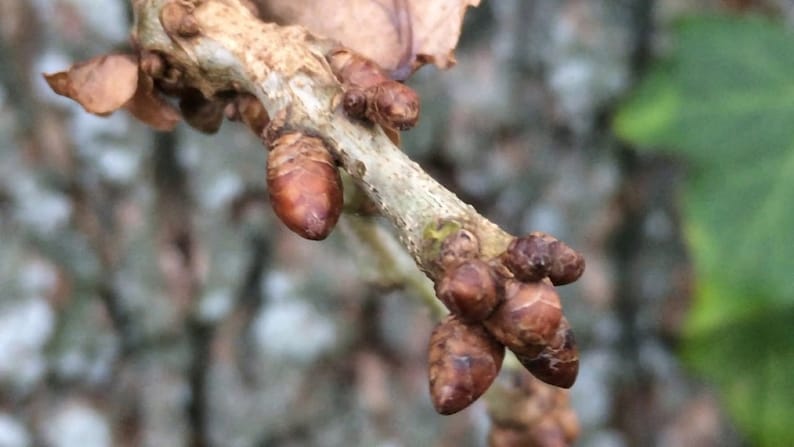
x=286, y=69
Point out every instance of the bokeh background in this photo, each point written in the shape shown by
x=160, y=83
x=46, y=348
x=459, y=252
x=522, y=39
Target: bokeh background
x=148, y=296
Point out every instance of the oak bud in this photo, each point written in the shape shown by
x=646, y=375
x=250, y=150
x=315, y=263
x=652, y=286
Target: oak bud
x=567, y=264
x=393, y=105
x=528, y=257
x=251, y=112
x=458, y=247
x=354, y=101
x=463, y=362
x=201, y=113
x=468, y=290
x=304, y=185
x=558, y=363
x=355, y=70
x=528, y=317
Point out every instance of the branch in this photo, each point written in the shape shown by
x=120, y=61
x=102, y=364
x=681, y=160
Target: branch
x=228, y=49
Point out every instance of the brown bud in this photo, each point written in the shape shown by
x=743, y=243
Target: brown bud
x=201, y=113
x=558, y=363
x=188, y=27
x=171, y=17
x=528, y=257
x=355, y=70
x=458, y=247
x=468, y=290
x=463, y=362
x=304, y=185
x=389, y=103
x=539, y=255
x=354, y=101
x=152, y=64
x=252, y=113
x=567, y=264
x=393, y=105
x=172, y=82
x=528, y=317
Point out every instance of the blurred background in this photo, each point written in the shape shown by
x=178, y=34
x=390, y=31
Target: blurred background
x=148, y=296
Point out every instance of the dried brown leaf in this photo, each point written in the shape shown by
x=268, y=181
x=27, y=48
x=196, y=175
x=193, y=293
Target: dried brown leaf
x=101, y=85
x=400, y=35
x=151, y=108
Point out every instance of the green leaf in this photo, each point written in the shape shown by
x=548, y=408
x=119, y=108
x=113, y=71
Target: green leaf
x=724, y=102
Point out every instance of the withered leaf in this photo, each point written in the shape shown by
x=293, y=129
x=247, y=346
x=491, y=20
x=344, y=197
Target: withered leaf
x=148, y=106
x=400, y=35
x=101, y=85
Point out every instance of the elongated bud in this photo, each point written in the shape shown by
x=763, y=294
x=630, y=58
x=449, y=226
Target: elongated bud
x=528, y=317
x=463, y=362
x=468, y=290
x=304, y=185
x=356, y=70
x=558, y=363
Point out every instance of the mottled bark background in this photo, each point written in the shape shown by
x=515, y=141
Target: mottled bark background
x=149, y=297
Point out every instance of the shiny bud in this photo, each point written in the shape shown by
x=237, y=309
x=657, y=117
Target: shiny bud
x=529, y=257
x=567, y=264
x=463, y=362
x=468, y=290
x=304, y=185
x=558, y=363
x=528, y=317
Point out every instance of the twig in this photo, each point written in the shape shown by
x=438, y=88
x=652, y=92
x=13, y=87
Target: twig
x=286, y=69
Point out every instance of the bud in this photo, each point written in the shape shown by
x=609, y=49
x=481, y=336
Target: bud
x=205, y=115
x=567, y=264
x=458, y=247
x=356, y=70
x=251, y=112
x=529, y=257
x=354, y=101
x=468, y=290
x=528, y=317
x=539, y=255
x=177, y=21
x=304, y=185
x=372, y=93
x=558, y=363
x=463, y=362
x=393, y=105
x=152, y=64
